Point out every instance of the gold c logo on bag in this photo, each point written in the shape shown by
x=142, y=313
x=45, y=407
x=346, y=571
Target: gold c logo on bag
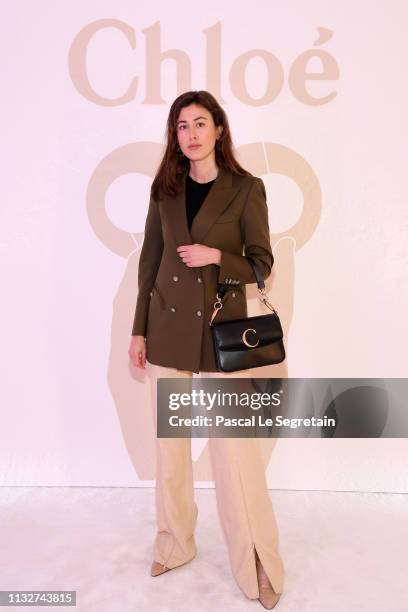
x=244, y=339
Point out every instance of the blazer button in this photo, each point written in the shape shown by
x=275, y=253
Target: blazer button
x=199, y=279
x=198, y=313
x=173, y=309
x=175, y=278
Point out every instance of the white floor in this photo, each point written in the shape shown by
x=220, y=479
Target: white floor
x=342, y=551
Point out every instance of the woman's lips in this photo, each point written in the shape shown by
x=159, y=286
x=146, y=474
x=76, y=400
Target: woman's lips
x=194, y=146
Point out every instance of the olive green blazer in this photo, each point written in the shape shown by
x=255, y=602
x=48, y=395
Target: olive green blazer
x=175, y=302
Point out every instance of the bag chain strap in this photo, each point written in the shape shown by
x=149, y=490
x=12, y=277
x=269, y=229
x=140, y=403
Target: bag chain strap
x=263, y=297
x=261, y=287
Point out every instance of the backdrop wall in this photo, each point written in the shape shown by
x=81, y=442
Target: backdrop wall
x=316, y=97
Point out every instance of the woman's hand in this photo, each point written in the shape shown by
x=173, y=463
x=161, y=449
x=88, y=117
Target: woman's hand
x=137, y=351
x=197, y=255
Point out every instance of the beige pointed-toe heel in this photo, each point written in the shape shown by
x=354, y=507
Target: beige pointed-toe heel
x=267, y=595
x=158, y=568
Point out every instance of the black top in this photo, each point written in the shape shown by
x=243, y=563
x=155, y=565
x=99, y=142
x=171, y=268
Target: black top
x=195, y=196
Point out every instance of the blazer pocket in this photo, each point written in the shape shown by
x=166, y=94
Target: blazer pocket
x=227, y=218
x=160, y=297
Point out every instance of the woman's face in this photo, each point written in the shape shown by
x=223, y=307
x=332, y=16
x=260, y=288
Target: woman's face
x=195, y=126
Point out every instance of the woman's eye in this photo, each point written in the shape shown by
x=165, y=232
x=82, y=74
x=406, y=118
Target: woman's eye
x=182, y=126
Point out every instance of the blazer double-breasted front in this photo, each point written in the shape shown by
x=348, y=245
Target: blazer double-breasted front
x=175, y=302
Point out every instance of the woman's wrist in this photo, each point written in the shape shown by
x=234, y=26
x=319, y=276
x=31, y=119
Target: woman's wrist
x=217, y=256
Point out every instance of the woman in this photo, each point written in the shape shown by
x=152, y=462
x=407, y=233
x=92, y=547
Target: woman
x=204, y=209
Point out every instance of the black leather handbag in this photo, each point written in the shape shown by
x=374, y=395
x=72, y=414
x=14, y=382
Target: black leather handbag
x=253, y=342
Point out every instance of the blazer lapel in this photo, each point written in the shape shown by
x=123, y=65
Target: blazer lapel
x=217, y=200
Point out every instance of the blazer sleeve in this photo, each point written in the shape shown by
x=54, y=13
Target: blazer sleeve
x=149, y=262
x=257, y=245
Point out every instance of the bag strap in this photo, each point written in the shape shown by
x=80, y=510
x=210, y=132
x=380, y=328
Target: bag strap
x=222, y=288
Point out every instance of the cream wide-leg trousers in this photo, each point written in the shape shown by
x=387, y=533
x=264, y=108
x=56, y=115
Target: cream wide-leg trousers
x=244, y=506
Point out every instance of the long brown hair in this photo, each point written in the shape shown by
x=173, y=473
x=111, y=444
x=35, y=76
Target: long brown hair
x=174, y=162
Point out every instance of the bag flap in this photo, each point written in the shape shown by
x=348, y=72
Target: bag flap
x=230, y=335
